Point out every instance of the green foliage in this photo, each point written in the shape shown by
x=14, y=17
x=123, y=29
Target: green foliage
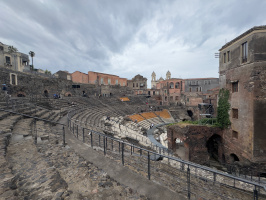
x=205, y=121
x=47, y=72
x=12, y=49
x=223, y=120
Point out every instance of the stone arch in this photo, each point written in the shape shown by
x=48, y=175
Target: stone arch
x=214, y=146
x=68, y=94
x=21, y=94
x=233, y=158
x=190, y=113
x=171, y=85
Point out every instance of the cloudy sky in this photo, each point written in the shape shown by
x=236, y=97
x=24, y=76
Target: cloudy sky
x=127, y=37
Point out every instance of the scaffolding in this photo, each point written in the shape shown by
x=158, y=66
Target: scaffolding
x=206, y=111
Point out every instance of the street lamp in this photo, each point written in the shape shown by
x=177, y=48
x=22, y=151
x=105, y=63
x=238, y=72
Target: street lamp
x=32, y=54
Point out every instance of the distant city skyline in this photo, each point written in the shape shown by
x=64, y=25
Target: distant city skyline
x=127, y=38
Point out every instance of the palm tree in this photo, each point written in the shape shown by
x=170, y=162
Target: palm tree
x=32, y=54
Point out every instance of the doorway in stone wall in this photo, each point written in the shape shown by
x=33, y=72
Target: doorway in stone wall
x=45, y=93
x=214, y=144
x=233, y=158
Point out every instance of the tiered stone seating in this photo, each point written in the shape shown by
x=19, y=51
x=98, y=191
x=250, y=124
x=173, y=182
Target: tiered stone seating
x=124, y=99
x=136, y=117
x=164, y=114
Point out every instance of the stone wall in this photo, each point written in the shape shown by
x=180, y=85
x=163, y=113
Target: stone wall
x=195, y=139
x=29, y=84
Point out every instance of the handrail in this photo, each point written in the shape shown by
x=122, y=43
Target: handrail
x=188, y=163
x=179, y=160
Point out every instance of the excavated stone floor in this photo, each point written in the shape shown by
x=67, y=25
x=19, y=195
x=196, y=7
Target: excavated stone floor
x=49, y=170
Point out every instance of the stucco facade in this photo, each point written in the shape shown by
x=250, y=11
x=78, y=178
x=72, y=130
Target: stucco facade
x=105, y=79
x=15, y=61
x=201, y=84
x=97, y=78
x=138, y=84
x=79, y=77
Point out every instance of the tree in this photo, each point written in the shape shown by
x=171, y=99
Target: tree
x=47, y=72
x=32, y=54
x=223, y=109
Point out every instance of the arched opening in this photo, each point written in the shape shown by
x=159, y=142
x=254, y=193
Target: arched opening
x=223, y=159
x=68, y=94
x=171, y=85
x=233, y=158
x=177, y=85
x=45, y=93
x=213, y=145
x=190, y=113
x=21, y=94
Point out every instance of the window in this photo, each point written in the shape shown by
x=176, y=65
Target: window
x=235, y=87
x=234, y=134
x=116, y=82
x=209, y=82
x=235, y=113
x=8, y=61
x=75, y=86
x=13, y=79
x=137, y=85
x=176, y=98
x=68, y=77
x=244, y=52
x=200, y=89
x=171, y=85
x=224, y=57
x=101, y=80
x=205, y=82
x=109, y=81
x=177, y=85
x=153, y=93
x=190, y=89
x=165, y=98
x=197, y=89
x=228, y=56
x=133, y=84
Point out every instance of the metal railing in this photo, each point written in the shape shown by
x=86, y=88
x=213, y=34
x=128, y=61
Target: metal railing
x=195, y=180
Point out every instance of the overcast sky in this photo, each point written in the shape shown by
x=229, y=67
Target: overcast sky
x=127, y=37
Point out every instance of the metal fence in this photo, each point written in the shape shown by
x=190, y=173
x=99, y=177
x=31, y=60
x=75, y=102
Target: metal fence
x=193, y=180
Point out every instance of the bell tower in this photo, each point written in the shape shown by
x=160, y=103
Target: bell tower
x=168, y=75
x=153, y=80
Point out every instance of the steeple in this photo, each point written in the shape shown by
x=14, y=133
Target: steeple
x=168, y=75
x=153, y=76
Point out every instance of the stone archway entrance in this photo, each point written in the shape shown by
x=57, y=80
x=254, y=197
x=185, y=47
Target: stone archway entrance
x=214, y=147
x=45, y=93
x=21, y=94
x=233, y=158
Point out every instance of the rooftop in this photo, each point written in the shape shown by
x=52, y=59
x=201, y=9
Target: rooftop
x=255, y=28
